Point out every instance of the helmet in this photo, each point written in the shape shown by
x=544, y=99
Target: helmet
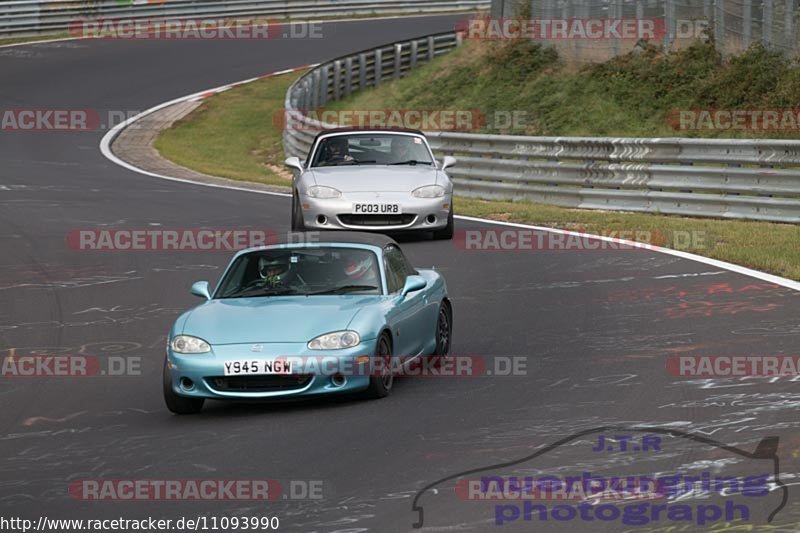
x=338, y=145
x=274, y=270
x=401, y=141
x=359, y=270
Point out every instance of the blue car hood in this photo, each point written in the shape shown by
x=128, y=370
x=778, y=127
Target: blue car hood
x=275, y=319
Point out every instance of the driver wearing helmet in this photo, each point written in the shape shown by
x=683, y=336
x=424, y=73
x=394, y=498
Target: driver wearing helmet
x=361, y=270
x=337, y=150
x=401, y=149
x=276, y=272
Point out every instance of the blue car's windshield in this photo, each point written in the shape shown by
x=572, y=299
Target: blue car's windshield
x=372, y=149
x=302, y=271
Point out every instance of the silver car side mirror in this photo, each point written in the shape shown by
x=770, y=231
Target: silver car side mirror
x=295, y=163
x=449, y=161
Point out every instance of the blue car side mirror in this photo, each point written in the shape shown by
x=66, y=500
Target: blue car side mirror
x=200, y=288
x=413, y=283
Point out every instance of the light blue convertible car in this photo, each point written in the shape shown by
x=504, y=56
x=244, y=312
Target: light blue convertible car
x=307, y=318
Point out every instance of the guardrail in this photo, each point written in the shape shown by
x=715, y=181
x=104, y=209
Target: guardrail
x=30, y=17
x=340, y=77
x=745, y=179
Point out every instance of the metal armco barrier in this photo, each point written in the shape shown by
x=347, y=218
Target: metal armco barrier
x=745, y=179
x=30, y=17
x=335, y=79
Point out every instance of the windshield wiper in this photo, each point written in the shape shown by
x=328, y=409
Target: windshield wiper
x=411, y=162
x=263, y=292
x=344, y=289
x=352, y=162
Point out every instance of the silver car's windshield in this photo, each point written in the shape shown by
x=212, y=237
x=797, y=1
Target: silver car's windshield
x=371, y=149
x=304, y=272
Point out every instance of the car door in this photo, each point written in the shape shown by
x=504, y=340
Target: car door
x=406, y=315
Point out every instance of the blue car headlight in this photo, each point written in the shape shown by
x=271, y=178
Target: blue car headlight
x=189, y=344
x=335, y=341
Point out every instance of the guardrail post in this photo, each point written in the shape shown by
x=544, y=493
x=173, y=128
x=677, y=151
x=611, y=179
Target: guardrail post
x=306, y=97
x=431, y=48
x=337, y=79
x=348, y=76
x=719, y=25
x=747, y=23
x=788, y=24
x=616, y=5
x=323, y=93
x=315, y=77
x=362, y=70
x=670, y=22
x=414, y=52
x=766, y=24
x=378, y=66
x=398, y=60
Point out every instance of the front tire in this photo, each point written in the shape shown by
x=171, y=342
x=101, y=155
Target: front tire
x=381, y=385
x=297, y=215
x=446, y=234
x=180, y=405
x=444, y=330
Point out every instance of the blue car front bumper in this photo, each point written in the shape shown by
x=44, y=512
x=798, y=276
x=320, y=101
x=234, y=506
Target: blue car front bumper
x=328, y=372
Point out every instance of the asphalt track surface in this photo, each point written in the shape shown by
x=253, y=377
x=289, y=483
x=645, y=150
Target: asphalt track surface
x=595, y=326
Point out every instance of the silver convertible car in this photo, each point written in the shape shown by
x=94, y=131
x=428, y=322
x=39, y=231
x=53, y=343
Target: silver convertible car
x=372, y=180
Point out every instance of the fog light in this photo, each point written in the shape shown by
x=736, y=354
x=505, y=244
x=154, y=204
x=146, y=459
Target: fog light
x=431, y=219
x=187, y=384
x=322, y=219
x=338, y=380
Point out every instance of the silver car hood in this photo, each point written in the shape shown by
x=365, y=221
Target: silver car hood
x=376, y=178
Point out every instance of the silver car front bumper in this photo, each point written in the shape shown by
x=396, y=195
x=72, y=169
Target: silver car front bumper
x=417, y=213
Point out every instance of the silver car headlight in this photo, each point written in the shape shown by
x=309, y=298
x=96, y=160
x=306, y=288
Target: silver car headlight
x=335, y=341
x=322, y=192
x=429, y=191
x=189, y=344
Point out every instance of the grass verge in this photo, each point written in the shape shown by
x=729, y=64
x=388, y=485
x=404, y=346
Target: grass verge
x=33, y=39
x=233, y=134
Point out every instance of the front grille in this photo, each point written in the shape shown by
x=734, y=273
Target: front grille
x=270, y=383
x=376, y=220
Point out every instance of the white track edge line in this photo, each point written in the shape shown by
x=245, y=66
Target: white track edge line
x=777, y=280
x=113, y=133
x=105, y=148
